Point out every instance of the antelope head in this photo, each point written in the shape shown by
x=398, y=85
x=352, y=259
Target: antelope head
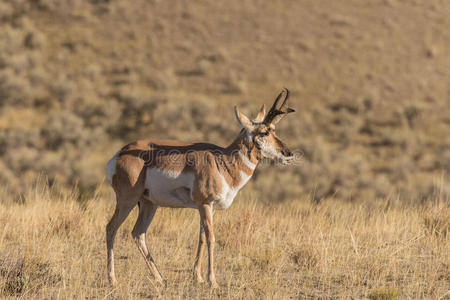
x=261, y=131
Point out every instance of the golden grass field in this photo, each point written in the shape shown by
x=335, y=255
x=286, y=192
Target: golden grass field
x=53, y=247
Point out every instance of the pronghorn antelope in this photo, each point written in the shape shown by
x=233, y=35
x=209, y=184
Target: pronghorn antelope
x=153, y=173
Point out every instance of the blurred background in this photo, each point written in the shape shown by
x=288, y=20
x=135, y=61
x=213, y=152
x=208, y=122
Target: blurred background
x=370, y=81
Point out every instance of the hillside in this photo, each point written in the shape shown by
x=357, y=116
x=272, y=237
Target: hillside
x=369, y=81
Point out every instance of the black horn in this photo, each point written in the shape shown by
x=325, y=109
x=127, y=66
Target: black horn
x=275, y=113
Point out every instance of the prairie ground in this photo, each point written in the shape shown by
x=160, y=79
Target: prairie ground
x=52, y=246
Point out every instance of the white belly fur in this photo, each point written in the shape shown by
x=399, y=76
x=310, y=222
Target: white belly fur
x=163, y=186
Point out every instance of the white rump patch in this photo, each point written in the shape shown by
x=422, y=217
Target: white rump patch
x=111, y=167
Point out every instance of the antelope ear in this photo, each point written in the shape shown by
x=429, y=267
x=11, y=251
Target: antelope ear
x=262, y=113
x=244, y=120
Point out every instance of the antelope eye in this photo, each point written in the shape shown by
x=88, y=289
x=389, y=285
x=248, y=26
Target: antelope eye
x=266, y=133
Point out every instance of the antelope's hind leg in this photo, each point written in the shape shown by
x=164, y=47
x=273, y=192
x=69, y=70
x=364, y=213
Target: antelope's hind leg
x=123, y=209
x=147, y=211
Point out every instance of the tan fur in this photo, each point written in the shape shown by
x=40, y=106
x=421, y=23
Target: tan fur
x=217, y=172
x=205, y=160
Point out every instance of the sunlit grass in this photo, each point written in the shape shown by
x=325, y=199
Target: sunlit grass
x=53, y=246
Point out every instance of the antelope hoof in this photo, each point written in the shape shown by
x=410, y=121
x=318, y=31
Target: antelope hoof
x=199, y=279
x=213, y=284
x=113, y=282
x=162, y=282
x=198, y=276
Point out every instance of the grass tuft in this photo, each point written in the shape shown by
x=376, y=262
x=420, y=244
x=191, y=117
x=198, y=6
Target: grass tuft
x=383, y=294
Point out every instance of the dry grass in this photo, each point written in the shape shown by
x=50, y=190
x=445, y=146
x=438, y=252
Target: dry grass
x=51, y=246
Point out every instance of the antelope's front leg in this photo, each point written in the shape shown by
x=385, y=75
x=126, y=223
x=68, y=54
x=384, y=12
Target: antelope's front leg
x=198, y=258
x=206, y=215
